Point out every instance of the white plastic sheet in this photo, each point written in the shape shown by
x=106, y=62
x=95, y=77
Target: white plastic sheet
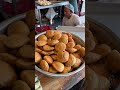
x=51, y=14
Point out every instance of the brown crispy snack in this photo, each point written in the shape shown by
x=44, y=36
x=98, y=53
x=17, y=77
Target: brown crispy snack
x=10, y=59
x=102, y=49
x=66, y=69
x=77, y=64
x=70, y=39
x=94, y=80
x=23, y=64
x=44, y=65
x=41, y=43
x=48, y=59
x=113, y=61
x=7, y=74
x=16, y=41
x=70, y=45
x=77, y=47
x=69, y=34
x=30, y=19
x=64, y=38
x=38, y=50
x=57, y=35
x=92, y=57
x=100, y=69
x=60, y=46
x=82, y=51
x=49, y=33
x=38, y=57
x=29, y=77
x=54, y=57
x=20, y=85
x=58, y=66
x=77, y=55
x=52, y=70
x=72, y=50
x=48, y=48
x=52, y=42
x=18, y=27
x=27, y=51
x=71, y=61
x=62, y=56
x=42, y=37
x=47, y=53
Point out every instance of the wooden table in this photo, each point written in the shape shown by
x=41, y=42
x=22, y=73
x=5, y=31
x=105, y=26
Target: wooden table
x=66, y=83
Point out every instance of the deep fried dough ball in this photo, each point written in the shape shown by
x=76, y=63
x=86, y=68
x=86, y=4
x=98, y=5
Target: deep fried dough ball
x=57, y=35
x=20, y=85
x=52, y=70
x=48, y=48
x=64, y=38
x=16, y=41
x=27, y=51
x=60, y=46
x=62, y=56
x=42, y=37
x=48, y=59
x=102, y=49
x=18, y=27
x=82, y=51
x=44, y=65
x=41, y=43
x=70, y=45
x=113, y=61
x=38, y=57
x=29, y=77
x=66, y=69
x=92, y=57
x=30, y=19
x=49, y=33
x=77, y=64
x=7, y=74
x=71, y=61
x=52, y=42
x=58, y=66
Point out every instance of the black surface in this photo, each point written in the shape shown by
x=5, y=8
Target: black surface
x=1, y=18
x=79, y=85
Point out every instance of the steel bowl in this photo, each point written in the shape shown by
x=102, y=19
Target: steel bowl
x=78, y=40
x=3, y=28
x=4, y=24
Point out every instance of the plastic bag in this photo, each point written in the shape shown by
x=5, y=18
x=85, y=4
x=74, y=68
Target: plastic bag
x=36, y=14
x=50, y=14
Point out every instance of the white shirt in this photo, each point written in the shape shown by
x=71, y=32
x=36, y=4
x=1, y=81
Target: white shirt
x=74, y=20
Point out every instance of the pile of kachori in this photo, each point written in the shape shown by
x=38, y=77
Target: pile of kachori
x=17, y=56
x=57, y=52
x=102, y=59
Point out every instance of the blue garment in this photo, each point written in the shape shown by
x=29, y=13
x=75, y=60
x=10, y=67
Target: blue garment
x=74, y=3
